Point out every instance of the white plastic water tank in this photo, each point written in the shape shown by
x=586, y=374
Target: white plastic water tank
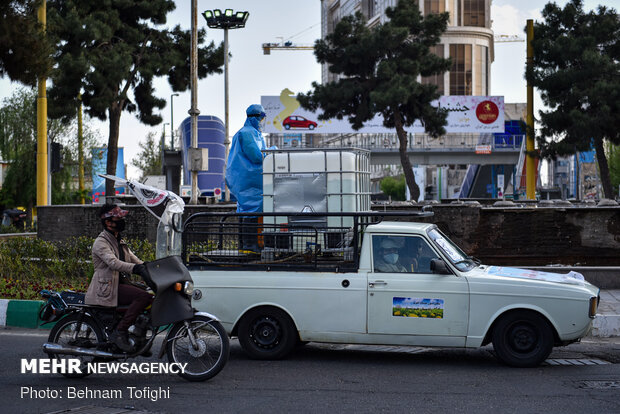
x=321, y=180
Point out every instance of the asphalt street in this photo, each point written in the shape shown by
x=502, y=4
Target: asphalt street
x=583, y=377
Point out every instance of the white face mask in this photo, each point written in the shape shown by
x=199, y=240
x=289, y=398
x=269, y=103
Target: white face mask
x=262, y=123
x=390, y=258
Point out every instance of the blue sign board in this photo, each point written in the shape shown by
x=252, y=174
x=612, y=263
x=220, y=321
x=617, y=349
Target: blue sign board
x=100, y=160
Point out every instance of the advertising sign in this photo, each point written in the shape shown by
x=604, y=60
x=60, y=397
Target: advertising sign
x=483, y=149
x=466, y=114
x=100, y=159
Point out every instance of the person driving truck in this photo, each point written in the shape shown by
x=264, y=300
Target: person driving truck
x=387, y=262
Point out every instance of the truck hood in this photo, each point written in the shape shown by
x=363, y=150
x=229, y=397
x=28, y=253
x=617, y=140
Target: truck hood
x=572, y=278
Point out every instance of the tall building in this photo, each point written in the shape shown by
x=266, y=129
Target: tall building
x=468, y=39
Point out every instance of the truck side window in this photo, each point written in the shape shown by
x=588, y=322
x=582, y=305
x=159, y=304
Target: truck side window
x=401, y=254
x=418, y=255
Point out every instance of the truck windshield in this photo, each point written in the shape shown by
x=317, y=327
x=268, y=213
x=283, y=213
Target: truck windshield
x=462, y=262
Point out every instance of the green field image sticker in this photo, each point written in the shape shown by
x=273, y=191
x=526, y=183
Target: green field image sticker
x=418, y=308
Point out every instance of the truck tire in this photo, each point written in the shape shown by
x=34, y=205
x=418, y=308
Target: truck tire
x=522, y=339
x=267, y=333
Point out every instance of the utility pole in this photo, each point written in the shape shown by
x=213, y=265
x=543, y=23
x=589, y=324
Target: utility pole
x=42, y=126
x=80, y=152
x=171, y=122
x=530, y=170
x=226, y=100
x=193, y=112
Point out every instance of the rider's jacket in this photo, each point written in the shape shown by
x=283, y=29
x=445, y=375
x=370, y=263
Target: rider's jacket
x=103, y=288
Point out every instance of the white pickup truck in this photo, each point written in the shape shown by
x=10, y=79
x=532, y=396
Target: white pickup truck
x=382, y=282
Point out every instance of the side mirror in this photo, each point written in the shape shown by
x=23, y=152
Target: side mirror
x=438, y=266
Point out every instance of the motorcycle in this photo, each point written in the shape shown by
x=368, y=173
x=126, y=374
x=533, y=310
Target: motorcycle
x=193, y=338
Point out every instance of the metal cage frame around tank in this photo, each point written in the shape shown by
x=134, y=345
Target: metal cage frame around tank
x=361, y=172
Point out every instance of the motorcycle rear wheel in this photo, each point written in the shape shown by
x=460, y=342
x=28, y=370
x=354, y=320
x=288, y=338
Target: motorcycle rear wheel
x=89, y=336
x=212, y=353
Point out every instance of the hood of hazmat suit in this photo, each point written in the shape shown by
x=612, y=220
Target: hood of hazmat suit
x=245, y=163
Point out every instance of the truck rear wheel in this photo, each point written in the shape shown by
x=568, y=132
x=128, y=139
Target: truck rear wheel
x=267, y=333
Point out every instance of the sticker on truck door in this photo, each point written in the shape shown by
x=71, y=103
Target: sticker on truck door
x=418, y=307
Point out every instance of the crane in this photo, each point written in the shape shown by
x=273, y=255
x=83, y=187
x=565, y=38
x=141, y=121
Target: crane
x=288, y=45
x=503, y=38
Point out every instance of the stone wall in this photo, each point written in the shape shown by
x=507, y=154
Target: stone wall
x=527, y=235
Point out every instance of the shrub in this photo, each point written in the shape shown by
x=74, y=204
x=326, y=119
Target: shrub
x=28, y=265
x=394, y=187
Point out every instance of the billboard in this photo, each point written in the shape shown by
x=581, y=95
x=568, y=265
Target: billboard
x=466, y=114
x=100, y=159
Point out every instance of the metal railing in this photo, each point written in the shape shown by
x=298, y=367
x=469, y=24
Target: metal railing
x=389, y=142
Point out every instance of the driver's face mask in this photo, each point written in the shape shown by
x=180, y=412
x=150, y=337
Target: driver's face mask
x=390, y=258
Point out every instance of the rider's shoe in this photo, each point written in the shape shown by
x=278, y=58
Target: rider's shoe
x=121, y=340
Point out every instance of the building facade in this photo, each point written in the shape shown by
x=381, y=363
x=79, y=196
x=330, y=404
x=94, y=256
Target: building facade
x=468, y=39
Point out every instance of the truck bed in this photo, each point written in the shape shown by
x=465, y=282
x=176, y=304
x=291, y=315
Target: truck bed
x=301, y=242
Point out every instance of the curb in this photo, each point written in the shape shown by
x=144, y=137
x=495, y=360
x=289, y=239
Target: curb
x=21, y=313
x=606, y=326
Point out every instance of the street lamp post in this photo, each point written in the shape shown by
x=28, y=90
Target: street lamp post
x=228, y=20
x=172, y=121
x=163, y=146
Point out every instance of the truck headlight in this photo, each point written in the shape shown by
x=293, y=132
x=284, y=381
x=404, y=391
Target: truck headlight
x=188, y=289
x=593, y=307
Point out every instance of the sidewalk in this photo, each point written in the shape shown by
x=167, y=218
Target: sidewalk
x=607, y=321
x=22, y=313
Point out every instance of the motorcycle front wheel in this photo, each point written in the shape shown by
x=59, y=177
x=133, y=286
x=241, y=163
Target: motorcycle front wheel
x=73, y=332
x=208, y=357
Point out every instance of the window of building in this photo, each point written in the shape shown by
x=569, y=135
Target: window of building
x=436, y=79
x=461, y=70
x=473, y=13
x=370, y=8
x=481, y=85
x=434, y=6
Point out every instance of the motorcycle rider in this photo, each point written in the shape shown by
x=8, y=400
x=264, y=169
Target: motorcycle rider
x=113, y=263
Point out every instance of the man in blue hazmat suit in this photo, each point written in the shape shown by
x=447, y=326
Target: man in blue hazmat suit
x=244, y=174
x=245, y=162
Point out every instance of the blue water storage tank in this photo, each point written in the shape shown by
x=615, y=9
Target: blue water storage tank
x=210, y=135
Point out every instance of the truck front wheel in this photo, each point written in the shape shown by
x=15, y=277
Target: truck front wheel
x=267, y=333
x=522, y=339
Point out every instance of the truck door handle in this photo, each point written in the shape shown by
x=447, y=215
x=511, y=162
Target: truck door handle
x=377, y=283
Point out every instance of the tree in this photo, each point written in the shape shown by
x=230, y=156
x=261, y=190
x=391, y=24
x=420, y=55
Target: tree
x=110, y=52
x=394, y=187
x=149, y=158
x=576, y=68
x=24, y=50
x=18, y=146
x=613, y=155
x=378, y=70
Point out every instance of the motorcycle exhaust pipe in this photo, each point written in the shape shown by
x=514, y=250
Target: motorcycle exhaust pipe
x=52, y=348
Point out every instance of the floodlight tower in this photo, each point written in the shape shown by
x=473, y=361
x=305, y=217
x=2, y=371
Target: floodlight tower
x=228, y=20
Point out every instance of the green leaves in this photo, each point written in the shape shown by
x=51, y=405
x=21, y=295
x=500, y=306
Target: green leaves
x=576, y=68
x=24, y=50
x=149, y=157
x=111, y=51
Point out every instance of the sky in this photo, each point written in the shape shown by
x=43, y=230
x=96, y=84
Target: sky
x=252, y=74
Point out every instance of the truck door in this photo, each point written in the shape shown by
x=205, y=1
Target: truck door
x=406, y=298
